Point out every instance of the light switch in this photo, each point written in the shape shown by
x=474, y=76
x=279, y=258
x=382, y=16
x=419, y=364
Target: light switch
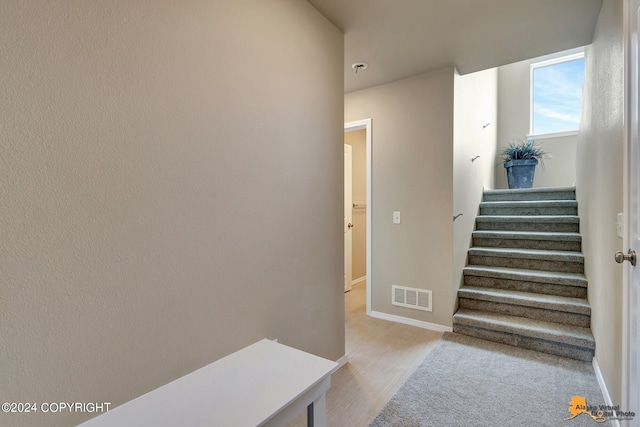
x=396, y=217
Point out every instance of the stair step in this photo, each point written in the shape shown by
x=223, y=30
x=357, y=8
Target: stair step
x=560, y=193
x=525, y=283
x=530, y=259
x=517, y=279
x=552, y=308
x=530, y=207
x=528, y=240
x=540, y=223
x=549, y=337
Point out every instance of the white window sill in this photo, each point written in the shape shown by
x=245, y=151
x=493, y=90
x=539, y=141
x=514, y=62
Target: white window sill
x=553, y=135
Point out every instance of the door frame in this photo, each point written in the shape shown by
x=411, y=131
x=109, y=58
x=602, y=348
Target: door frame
x=358, y=125
x=348, y=218
x=630, y=336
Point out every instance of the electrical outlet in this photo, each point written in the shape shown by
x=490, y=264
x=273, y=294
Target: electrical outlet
x=396, y=217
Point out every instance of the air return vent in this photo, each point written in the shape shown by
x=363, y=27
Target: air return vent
x=411, y=298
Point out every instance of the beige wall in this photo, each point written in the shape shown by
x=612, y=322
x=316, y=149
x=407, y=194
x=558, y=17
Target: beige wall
x=475, y=107
x=513, y=124
x=599, y=188
x=358, y=140
x=164, y=167
x=412, y=150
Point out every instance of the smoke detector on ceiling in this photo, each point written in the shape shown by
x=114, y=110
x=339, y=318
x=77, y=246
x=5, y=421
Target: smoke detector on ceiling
x=359, y=66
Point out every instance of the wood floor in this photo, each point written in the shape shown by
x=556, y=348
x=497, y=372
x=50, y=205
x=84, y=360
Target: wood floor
x=381, y=356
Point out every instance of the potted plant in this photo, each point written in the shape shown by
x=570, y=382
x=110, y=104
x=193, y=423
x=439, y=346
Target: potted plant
x=520, y=159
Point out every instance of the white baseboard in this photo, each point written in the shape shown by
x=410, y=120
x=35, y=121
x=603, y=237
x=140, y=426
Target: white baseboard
x=411, y=322
x=603, y=389
x=358, y=280
x=341, y=362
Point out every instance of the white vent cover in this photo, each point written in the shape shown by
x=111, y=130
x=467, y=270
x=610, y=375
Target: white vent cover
x=411, y=298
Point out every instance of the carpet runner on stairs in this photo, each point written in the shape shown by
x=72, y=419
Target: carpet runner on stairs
x=525, y=284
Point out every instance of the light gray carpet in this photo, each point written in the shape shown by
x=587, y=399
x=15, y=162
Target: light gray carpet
x=465, y=381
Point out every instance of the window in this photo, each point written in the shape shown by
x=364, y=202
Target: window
x=556, y=94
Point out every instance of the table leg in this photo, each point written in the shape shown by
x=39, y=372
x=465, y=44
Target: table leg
x=310, y=415
x=317, y=412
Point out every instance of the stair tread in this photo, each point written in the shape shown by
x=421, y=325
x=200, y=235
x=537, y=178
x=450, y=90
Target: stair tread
x=526, y=203
x=541, y=329
x=528, y=235
x=527, y=253
x=528, y=299
x=530, y=190
x=525, y=274
x=529, y=218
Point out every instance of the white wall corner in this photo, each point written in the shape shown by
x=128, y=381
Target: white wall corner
x=603, y=389
x=341, y=362
x=411, y=322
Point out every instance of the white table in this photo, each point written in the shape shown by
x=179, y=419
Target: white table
x=264, y=384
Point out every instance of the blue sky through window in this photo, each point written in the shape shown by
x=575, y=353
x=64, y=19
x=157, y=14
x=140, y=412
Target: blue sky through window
x=557, y=97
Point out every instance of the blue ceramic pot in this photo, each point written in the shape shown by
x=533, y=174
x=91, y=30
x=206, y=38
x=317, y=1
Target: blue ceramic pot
x=520, y=173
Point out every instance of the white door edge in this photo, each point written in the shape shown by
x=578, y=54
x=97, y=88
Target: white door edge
x=631, y=299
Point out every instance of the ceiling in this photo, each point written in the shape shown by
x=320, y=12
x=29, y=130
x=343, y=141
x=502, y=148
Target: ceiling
x=401, y=38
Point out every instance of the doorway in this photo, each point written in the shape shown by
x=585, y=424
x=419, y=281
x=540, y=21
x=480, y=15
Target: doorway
x=351, y=139
x=358, y=261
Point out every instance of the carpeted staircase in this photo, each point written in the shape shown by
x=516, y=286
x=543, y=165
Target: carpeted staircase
x=524, y=284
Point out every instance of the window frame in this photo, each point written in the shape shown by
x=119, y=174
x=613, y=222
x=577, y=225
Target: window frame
x=545, y=61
